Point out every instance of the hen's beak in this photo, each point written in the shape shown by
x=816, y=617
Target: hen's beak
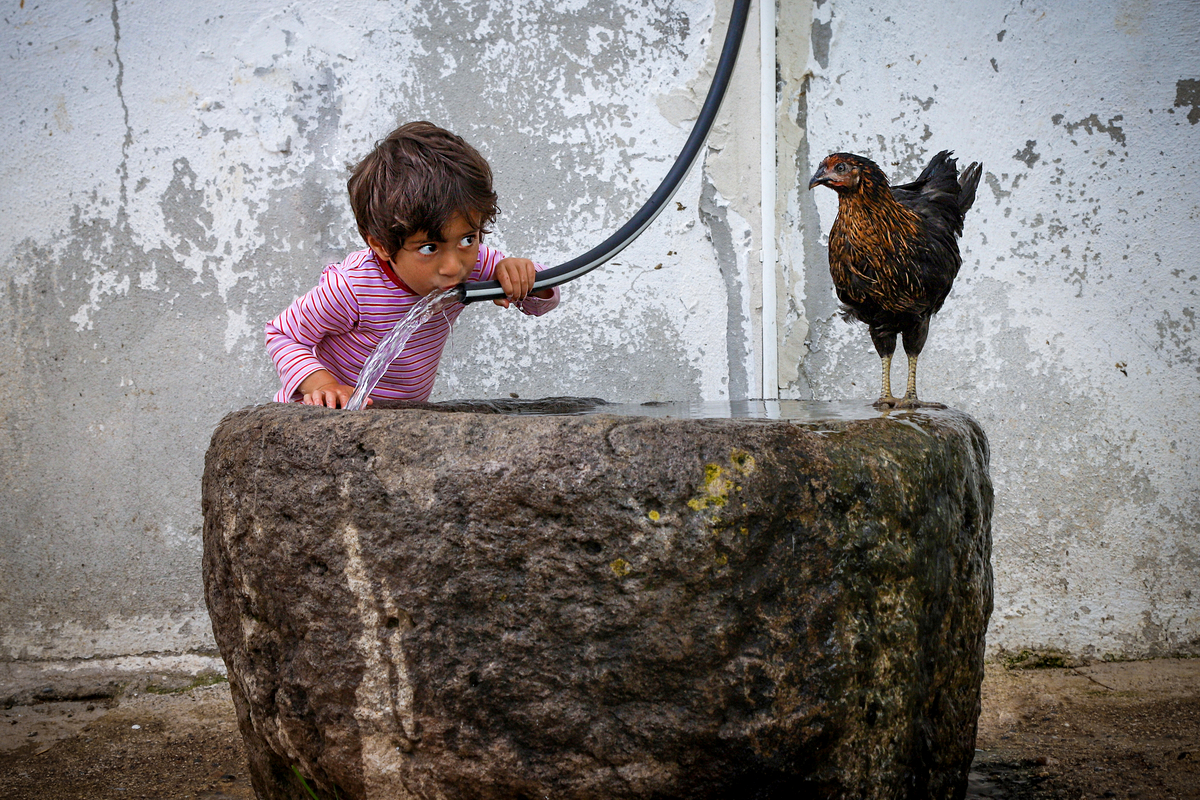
x=819, y=177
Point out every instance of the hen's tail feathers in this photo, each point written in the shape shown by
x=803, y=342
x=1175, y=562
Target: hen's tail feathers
x=937, y=183
x=967, y=183
x=935, y=165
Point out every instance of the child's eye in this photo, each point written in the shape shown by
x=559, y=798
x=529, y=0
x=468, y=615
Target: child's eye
x=427, y=249
x=467, y=240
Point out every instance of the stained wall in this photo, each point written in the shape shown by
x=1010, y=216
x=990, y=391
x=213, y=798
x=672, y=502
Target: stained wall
x=1070, y=333
x=175, y=176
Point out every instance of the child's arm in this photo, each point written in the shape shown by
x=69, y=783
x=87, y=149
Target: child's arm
x=329, y=308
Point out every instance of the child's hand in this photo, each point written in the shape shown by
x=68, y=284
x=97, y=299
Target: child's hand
x=516, y=276
x=333, y=395
x=322, y=389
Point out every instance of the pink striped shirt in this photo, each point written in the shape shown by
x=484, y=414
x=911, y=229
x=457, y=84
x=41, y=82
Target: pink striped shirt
x=338, y=323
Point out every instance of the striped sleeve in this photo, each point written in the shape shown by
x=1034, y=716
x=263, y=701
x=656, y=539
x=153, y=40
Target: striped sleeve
x=536, y=306
x=330, y=307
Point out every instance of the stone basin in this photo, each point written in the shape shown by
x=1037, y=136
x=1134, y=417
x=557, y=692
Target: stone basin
x=569, y=599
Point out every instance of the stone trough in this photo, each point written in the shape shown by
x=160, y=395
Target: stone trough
x=466, y=601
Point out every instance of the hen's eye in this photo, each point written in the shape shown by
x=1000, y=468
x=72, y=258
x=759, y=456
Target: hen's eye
x=840, y=168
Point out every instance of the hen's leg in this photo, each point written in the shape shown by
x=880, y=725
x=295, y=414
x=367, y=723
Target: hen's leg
x=914, y=342
x=885, y=346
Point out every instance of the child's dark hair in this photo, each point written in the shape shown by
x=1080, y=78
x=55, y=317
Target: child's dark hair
x=416, y=180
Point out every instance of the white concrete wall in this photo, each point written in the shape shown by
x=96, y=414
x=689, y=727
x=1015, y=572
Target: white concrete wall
x=1071, y=331
x=175, y=176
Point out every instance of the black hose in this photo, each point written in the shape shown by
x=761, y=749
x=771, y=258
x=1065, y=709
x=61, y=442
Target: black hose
x=490, y=290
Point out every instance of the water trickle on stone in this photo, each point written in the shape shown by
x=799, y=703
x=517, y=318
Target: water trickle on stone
x=392, y=344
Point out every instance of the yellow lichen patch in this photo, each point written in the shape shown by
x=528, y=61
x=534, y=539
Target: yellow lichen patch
x=716, y=489
x=620, y=567
x=654, y=516
x=742, y=461
x=722, y=559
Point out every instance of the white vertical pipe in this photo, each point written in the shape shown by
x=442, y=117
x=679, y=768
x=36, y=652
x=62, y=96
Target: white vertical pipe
x=766, y=47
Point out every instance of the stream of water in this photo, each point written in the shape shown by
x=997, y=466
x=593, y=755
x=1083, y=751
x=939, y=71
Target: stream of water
x=392, y=344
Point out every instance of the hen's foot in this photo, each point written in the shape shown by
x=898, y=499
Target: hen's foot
x=887, y=401
x=911, y=401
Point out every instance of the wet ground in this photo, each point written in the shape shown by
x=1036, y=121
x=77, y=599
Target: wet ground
x=1126, y=730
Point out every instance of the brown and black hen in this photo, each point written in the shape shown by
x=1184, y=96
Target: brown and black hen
x=893, y=251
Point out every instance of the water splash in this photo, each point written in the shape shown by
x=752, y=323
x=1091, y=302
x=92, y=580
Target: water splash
x=392, y=344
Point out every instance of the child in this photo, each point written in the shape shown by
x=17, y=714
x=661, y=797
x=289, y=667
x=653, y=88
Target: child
x=423, y=200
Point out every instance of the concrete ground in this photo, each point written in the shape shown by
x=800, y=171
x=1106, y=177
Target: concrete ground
x=165, y=728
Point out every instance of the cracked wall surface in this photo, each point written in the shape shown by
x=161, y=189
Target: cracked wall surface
x=1070, y=333
x=176, y=175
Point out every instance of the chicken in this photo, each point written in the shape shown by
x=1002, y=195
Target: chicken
x=893, y=252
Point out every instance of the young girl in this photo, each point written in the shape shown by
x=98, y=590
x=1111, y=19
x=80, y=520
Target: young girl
x=423, y=200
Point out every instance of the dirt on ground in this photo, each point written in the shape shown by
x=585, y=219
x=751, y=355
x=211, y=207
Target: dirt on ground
x=1125, y=730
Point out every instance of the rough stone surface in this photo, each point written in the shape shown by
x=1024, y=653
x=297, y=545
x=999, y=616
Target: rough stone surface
x=423, y=604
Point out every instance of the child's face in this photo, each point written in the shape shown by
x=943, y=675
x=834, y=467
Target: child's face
x=427, y=264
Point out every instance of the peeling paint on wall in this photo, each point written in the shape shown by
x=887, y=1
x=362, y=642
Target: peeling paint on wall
x=181, y=175
x=1187, y=95
x=1070, y=331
